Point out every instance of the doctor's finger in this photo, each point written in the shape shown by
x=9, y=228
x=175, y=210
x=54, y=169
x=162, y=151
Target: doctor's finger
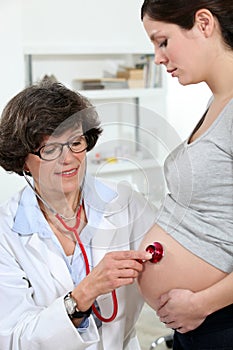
x=130, y=255
x=130, y=264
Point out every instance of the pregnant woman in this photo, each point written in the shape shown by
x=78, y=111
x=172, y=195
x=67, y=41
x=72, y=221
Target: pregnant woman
x=191, y=288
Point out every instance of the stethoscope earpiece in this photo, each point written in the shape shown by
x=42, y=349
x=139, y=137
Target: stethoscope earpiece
x=157, y=251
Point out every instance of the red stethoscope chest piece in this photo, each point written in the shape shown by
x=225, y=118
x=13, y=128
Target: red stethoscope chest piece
x=157, y=251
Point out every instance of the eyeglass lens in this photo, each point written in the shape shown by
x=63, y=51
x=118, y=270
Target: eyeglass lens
x=54, y=150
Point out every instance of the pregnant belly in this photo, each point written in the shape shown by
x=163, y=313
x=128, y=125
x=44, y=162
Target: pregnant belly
x=179, y=268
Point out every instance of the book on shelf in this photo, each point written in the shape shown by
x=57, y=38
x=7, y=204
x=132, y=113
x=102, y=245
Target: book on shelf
x=100, y=83
x=152, y=72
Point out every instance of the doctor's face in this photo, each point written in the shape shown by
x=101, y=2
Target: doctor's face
x=58, y=167
x=179, y=50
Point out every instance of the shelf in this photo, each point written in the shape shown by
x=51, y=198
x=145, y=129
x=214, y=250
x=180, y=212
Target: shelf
x=68, y=62
x=121, y=93
x=84, y=50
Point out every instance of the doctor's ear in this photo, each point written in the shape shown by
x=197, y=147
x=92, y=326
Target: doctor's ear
x=205, y=21
x=26, y=170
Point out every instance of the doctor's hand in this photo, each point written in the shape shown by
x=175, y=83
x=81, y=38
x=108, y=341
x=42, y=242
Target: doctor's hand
x=116, y=269
x=181, y=309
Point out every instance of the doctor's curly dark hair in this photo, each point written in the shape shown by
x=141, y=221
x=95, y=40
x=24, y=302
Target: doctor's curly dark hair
x=41, y=110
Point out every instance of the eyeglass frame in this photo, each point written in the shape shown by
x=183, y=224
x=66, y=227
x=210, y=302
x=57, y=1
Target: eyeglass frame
x=68, y=143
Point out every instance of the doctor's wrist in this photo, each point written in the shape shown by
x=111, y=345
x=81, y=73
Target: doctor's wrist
x=73, y=310
x=83, y=297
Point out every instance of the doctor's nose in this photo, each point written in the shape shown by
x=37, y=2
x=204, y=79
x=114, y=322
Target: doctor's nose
x=67, y=155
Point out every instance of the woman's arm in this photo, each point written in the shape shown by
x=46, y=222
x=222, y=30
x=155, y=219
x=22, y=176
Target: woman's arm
x=185, y=310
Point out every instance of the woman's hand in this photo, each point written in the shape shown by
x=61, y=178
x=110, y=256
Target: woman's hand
x=116, y=269
x=181, y=309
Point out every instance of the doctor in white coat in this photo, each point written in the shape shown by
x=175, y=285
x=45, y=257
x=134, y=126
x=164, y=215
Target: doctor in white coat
x=46, y=298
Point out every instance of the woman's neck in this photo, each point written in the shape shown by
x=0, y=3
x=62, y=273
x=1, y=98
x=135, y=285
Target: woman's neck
x=220, y=80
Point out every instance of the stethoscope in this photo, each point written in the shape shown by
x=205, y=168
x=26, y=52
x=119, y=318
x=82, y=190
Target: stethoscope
x=156, y=248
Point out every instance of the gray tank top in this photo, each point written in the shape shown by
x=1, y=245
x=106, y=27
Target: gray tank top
x=198, y=209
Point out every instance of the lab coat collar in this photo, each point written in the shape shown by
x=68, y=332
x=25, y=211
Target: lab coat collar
x=106, y=197
x=101, y=207
x=29, y=218
x=98, y=195
x=100, y=199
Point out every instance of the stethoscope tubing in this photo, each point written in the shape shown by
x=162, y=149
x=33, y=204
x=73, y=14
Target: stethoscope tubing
x=114, y=297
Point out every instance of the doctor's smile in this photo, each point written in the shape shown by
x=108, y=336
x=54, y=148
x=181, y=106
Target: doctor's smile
x=68, y=173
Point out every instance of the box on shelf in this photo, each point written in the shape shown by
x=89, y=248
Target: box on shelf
x=131, y=73
x=134, y=76
x=136, y=83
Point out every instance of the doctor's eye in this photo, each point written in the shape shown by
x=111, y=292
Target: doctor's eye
x=50, y=149
x=163, y=43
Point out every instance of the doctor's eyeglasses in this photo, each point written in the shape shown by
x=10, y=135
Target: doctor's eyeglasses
x=52, y=151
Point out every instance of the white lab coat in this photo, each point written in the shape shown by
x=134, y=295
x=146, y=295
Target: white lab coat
x=34, y=279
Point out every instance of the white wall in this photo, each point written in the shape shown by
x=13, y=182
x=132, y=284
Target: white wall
x=185, y=105
x=11, y=73
x=11, y=58
x=84, y=23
